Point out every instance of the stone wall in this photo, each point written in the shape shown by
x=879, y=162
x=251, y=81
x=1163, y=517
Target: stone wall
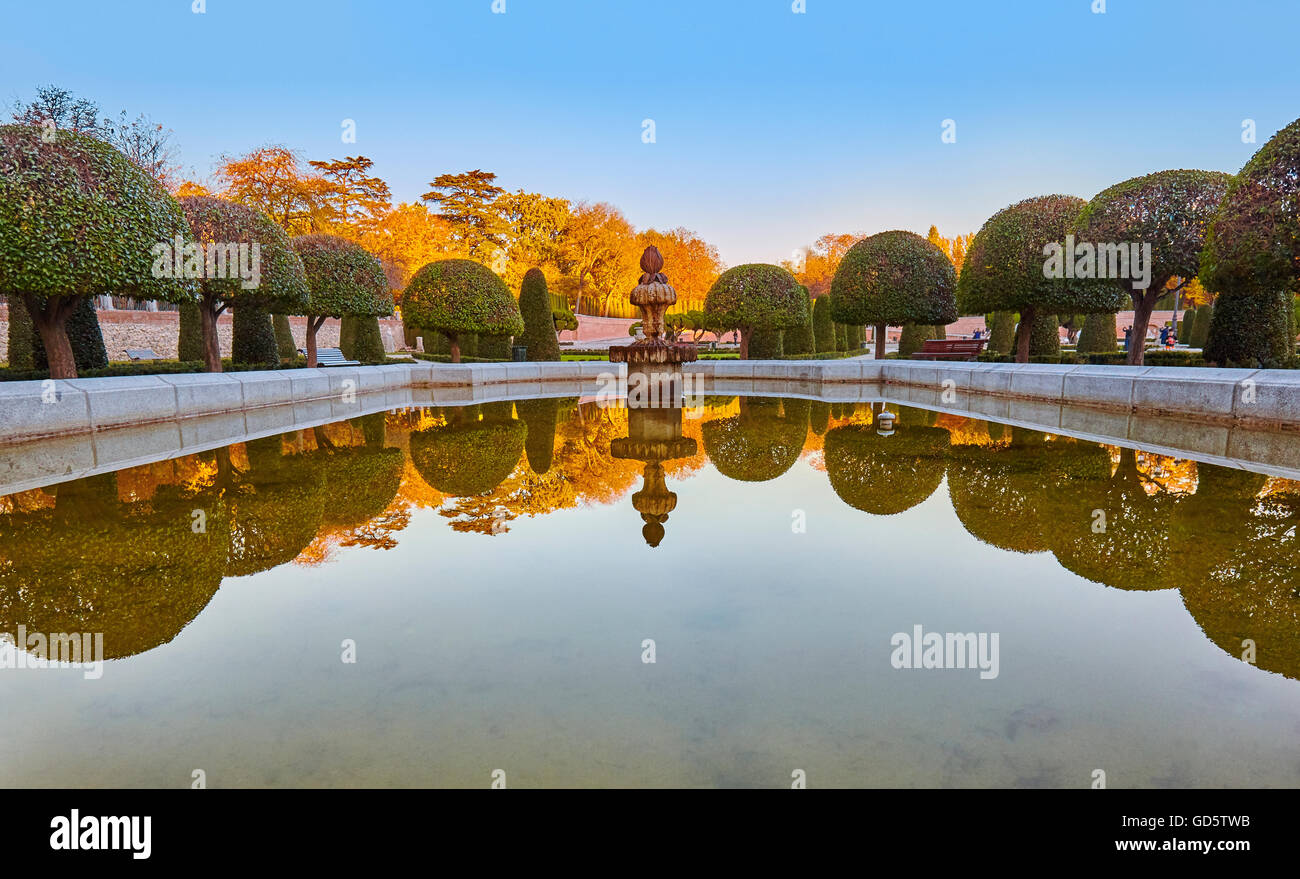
x=158, y=330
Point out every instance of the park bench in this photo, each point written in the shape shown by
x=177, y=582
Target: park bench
x=333, y=357
x=138, y=354
x=950, y=349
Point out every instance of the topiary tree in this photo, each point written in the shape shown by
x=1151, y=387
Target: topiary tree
x=189, y=341
x=855, y=337
x=1185, y=325
x=996, y=491
x=1171, y=211
x=841, y=337
x=891, y=279
x=823, y=326
x=912, y=338
x=799, y=339
x=1099, y=335
x=83, y=331
x=755, y=296
x=1005, y=268
x=767, y=345
x=459, y=297
x=279, y=283
x=1002, y=331
x=78, y=219
x=343, y=280
x=252, y=338
x=539, y=318
x=284, y=343
x=1252, y=258
x=276, y=507
x=1200, y=333
x=1045, y=337
x=494, y=347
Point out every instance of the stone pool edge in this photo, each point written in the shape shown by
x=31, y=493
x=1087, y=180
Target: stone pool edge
x=1259, y=399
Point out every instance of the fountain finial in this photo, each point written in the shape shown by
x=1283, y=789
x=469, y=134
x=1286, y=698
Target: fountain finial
x=652, y=263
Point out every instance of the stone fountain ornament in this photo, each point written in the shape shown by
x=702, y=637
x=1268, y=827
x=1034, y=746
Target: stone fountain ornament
x=653, y=294
x=654, y=422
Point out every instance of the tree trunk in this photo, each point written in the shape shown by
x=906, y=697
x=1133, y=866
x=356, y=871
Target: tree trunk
x=313, y=324
x=211, y=346
x=1143, y=305
x=51, y=323
x=1023, y=334
x=880, y=341
x=744, y=343
x=454, y=339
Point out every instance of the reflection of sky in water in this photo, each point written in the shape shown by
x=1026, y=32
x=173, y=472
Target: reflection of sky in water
x=522, y=652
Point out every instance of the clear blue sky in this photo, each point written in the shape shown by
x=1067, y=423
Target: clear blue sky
x=772, y=127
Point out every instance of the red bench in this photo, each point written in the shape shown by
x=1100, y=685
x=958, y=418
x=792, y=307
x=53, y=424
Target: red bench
x=950, y=349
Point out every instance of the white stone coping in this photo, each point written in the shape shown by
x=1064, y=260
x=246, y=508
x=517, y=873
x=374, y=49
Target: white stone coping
x=89, y=426
x=1258, y=398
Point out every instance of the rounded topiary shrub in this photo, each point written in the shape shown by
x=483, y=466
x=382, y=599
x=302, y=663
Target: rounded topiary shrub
x=1253, y=250
x=459, y=297
x=756, y=296
x=1004, y=268
x=78, y=219
x=893, y=278
x=885, y=475
x=221, y=227
x=464, y=460
x=760, y=443
x=539, y=321
x=344, y=281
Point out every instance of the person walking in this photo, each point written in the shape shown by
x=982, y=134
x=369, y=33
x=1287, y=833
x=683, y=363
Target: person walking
x=1128, y=337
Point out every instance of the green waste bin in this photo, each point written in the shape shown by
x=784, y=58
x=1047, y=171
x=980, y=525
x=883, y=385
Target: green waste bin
x=519, y=353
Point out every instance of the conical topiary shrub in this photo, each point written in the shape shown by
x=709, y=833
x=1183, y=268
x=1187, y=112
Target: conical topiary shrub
x=1002, y=332
x=1098, y=335
x=539, y=325
x=253, y=338
x=1201, y=328
x=284, y=337
x=189, y=341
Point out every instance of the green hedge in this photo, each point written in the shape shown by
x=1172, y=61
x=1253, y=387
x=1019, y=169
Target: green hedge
x=152, y=367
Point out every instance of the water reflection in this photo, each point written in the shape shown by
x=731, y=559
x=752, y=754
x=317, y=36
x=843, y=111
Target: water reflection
x=139, y=554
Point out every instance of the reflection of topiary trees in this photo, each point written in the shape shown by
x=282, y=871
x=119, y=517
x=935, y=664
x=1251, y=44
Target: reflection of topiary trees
x=342, y=280
x=78, y=219
x=892, y=279
x=996, y=491
x=219, y=227
x=885, y=475
x=760, y=443
x=756, y=296
x=541, y=417
x=1237, y=560
x=1004, y=268
x=276, y=507
x=1170, y=211
x=459, y=297
x=466, y=456
x=360, y=481
x=1252, y=258
x=1111, y=529
x=138, y=573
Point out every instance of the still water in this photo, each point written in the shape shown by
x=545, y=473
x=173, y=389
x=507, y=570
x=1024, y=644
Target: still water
x=502, y=574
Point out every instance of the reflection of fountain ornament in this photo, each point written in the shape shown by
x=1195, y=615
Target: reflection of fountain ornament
x=885, y=423
x=652, y=295
x=654, y=436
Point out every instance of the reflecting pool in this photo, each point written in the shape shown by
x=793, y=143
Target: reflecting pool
x=579, y=595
